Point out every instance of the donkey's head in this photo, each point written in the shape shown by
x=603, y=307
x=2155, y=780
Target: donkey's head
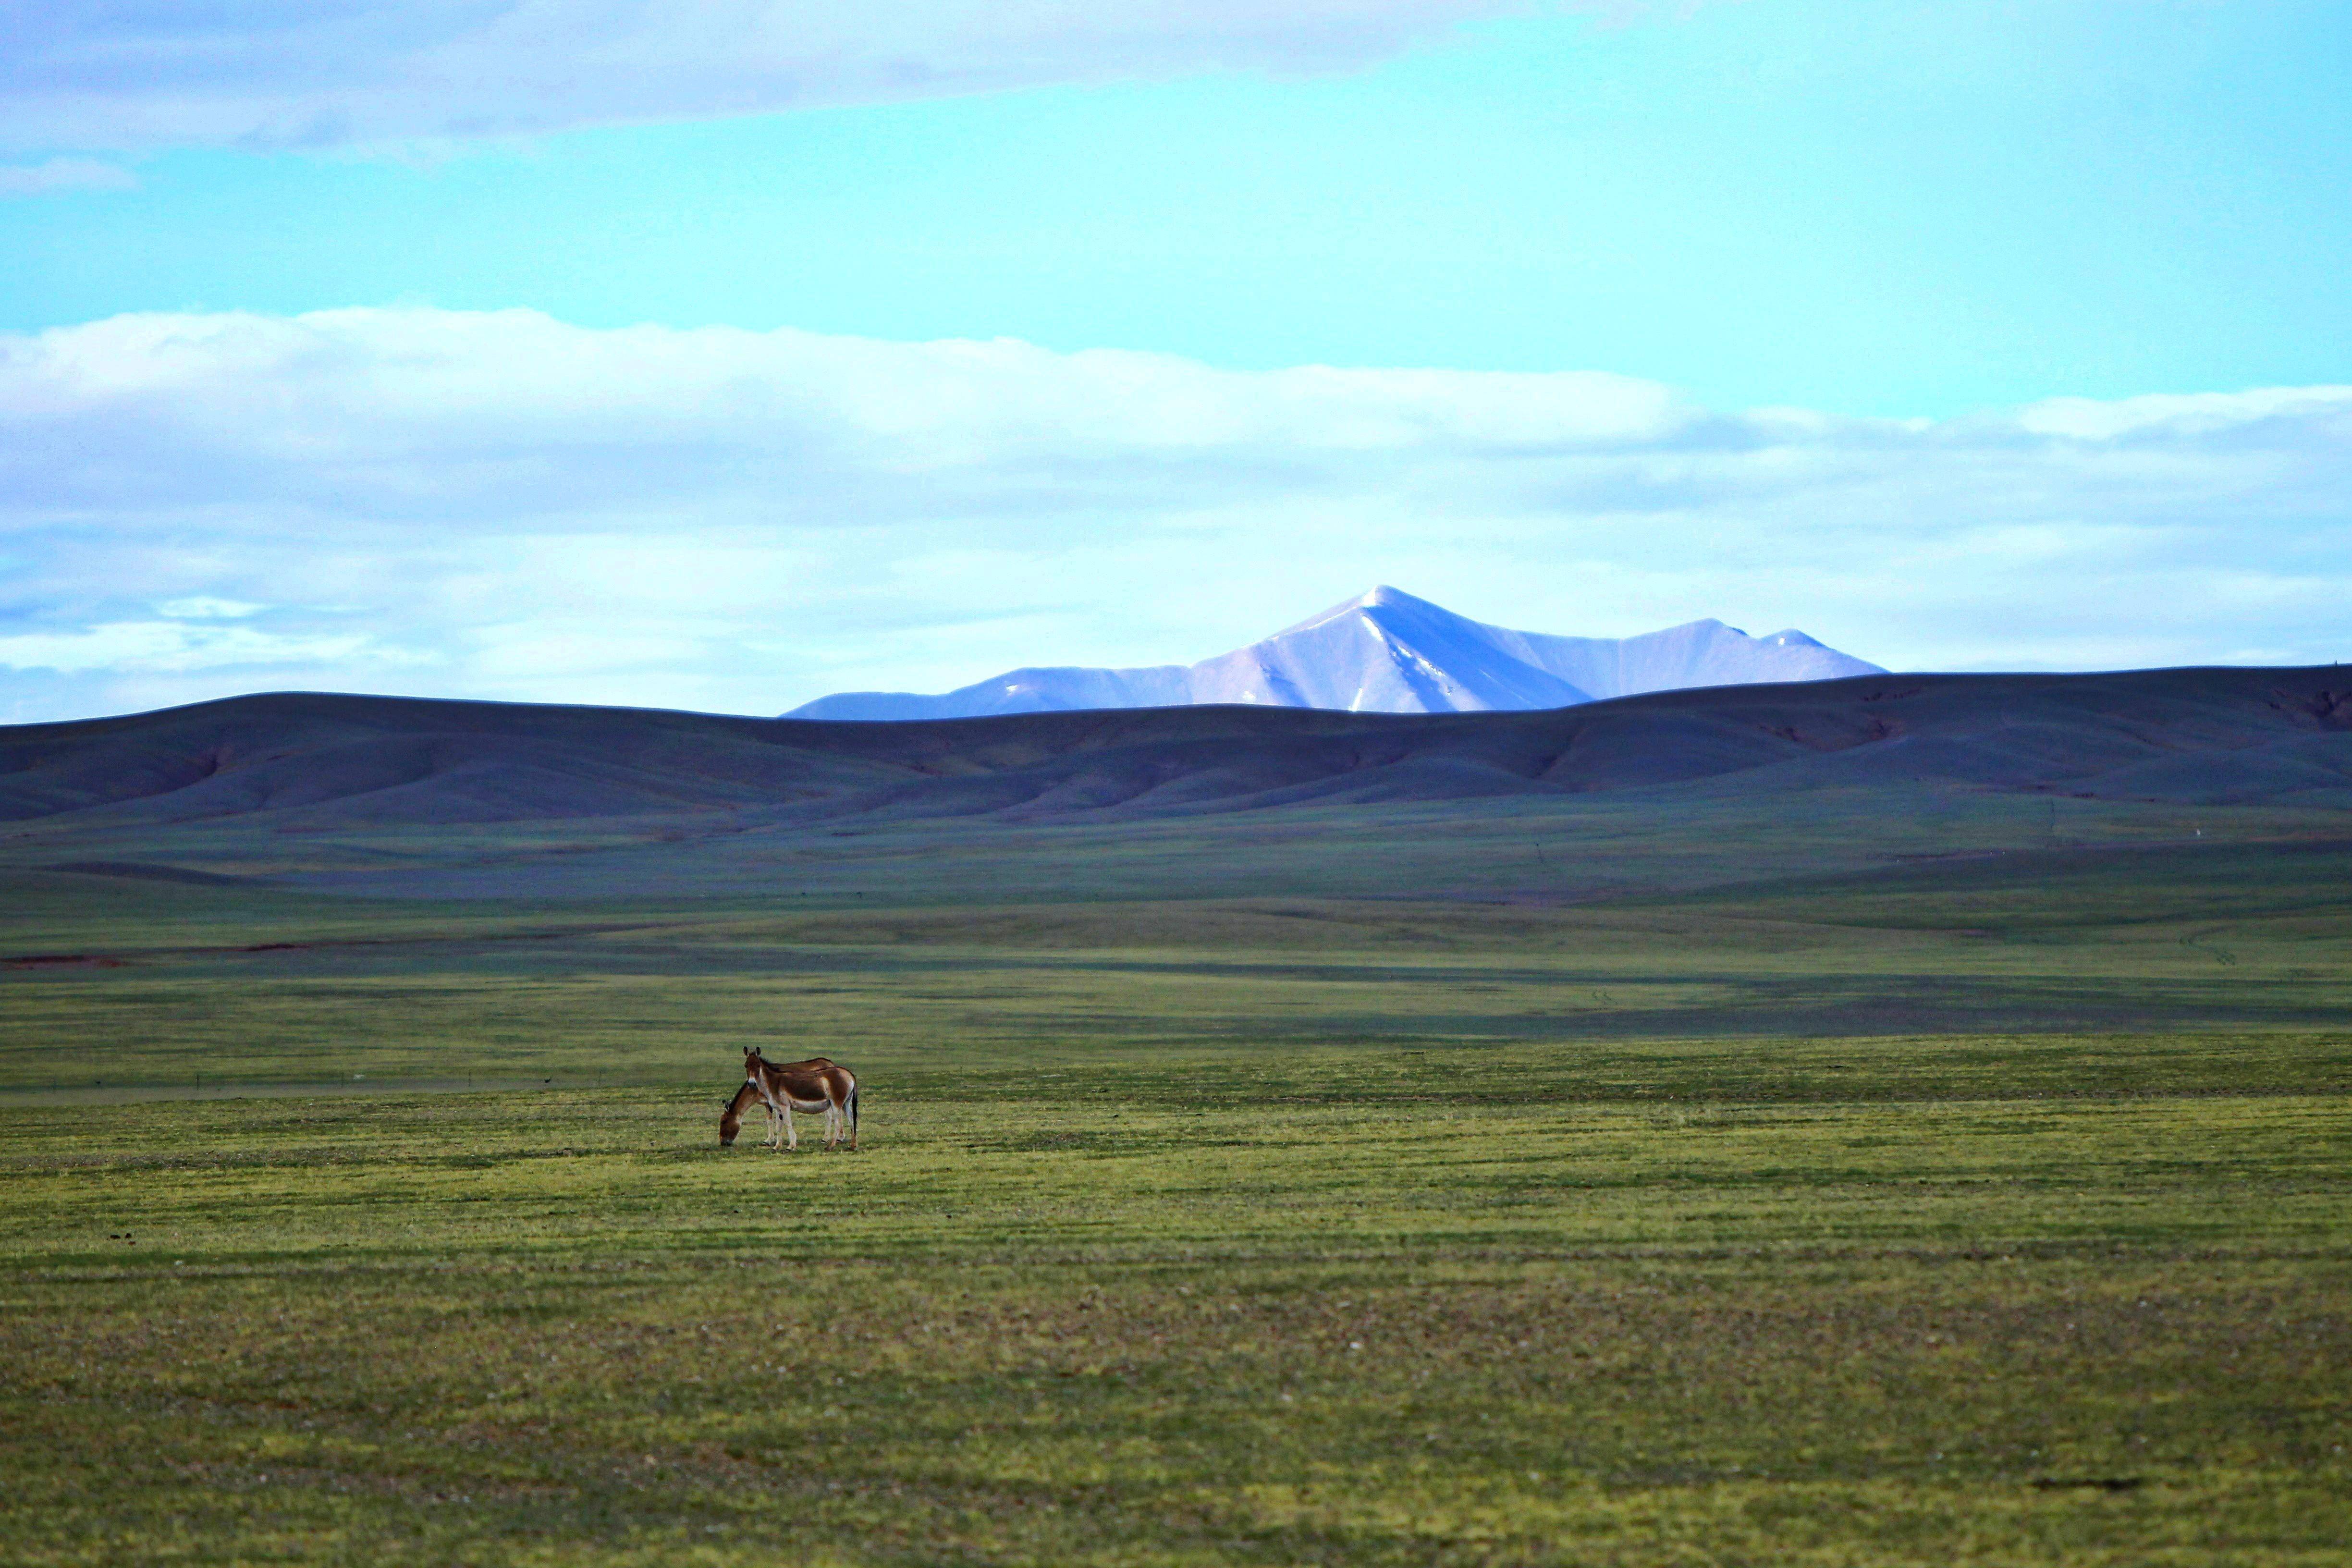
x=730, y=1120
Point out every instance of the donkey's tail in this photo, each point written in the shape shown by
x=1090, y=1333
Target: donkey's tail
x=853, y=1107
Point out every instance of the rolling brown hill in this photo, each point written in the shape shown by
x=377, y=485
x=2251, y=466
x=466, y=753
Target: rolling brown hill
x=2279, y=736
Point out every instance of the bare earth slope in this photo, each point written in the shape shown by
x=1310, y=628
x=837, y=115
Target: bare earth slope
x=2234, y=736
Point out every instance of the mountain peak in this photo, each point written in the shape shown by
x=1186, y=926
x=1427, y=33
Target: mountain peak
x=1378, y=597
x=1387, y=651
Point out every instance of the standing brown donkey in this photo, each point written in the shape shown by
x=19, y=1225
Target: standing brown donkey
x=782, y=1088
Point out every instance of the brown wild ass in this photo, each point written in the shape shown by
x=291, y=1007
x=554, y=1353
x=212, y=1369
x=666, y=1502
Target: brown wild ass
x=782, y=1088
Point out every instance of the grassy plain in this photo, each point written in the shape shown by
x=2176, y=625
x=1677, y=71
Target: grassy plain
x=1966, y=1188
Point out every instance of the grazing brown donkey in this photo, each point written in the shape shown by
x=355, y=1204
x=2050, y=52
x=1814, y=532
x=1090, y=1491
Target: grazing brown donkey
x=782, y=1088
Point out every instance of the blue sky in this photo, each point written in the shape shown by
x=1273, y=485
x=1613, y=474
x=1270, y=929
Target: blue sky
x=1910, y=225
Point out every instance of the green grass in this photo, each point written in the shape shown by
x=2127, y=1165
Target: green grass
x=1524, y=1186
x=1136, y=1312
x=107, y=984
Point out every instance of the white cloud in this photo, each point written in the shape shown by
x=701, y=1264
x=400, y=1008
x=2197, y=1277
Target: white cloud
x=503, y=505
x=151, y=645
x=2168, y=416
x=154, y=72
x=201, y=608
x=64, y=174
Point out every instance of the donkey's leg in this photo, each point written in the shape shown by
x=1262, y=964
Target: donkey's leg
x=792, y=1139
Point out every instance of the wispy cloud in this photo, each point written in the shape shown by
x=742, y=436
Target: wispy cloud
x=145, y=646
x=64, y=174
x=202, y=608
x=149, y=72
x=506, y=505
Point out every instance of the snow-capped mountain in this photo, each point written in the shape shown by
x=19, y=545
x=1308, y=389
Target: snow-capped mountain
x=1389, y=652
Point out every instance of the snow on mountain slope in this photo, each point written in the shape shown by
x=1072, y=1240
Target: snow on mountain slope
x=1388, y=652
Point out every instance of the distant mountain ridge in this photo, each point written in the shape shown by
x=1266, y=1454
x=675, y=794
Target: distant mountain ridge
x=299, y=763
x=1387, y=652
